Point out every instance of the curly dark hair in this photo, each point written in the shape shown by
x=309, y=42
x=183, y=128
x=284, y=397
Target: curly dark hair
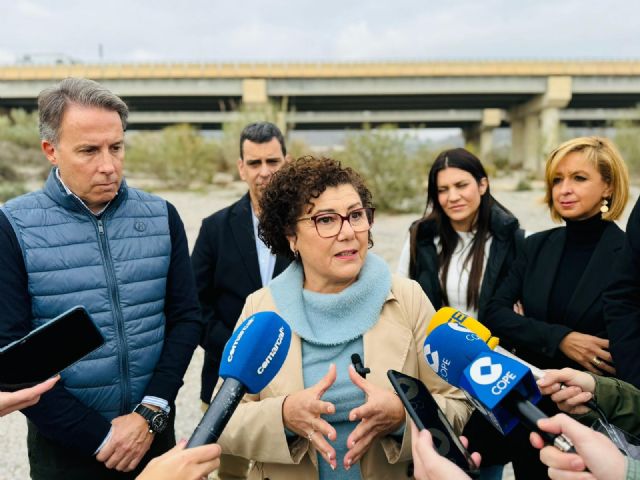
x=292, y=188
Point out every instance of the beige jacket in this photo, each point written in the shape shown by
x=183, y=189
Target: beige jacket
x=256, y=429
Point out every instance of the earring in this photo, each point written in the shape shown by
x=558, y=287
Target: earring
x=296, y=254
x=605, y=206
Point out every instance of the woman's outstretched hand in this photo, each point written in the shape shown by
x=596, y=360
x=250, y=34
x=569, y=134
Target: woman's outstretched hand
x=301, y=414
x=381, y=414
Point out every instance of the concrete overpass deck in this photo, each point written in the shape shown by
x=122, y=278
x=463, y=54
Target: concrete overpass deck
x=532, y=97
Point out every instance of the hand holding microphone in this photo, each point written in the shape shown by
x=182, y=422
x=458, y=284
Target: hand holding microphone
x=251, y=358
x=593, y=451
x=570, y=389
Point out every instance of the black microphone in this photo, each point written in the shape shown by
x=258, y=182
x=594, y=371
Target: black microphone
x=251, y=358
x=360, y=368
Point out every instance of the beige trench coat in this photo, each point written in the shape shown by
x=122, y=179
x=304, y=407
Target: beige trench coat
x=256, y=429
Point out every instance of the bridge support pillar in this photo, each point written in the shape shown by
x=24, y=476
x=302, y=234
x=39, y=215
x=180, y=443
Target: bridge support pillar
x=471, y=137
x=531, y=144
x=549, y=129
x=254, y=91
x=535, y=125
x=517, y=142
x=480, y=137
x=491, y=119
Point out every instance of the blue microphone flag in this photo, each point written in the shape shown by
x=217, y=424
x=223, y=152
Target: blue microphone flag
x=450, y=348
x=256, y=350
x=251, y=358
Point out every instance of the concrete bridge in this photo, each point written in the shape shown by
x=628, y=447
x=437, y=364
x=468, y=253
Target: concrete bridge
x=532, y=97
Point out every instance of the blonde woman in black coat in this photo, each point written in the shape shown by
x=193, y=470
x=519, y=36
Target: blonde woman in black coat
x=562, y=273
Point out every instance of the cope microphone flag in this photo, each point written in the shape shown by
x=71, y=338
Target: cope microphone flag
x=451, y=315
x=501, y=388
x=251, y=358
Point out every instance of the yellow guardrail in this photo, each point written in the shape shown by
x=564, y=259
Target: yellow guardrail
x=321, y=69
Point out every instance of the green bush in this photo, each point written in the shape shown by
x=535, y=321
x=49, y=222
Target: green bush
x=179, y=156
x=297, y=148
x=22, y=158
x=524, y=185
x=21, y=128
x=500, y=158
x=395, y=176
x=8, y=172
x=9, y=190
x=627, y=139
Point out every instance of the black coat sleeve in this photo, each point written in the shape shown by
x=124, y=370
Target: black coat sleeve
x=622, y=305
x=58, y=415
x=204, y=260
x=15, y=303
x=183, y=319
x=522, y=331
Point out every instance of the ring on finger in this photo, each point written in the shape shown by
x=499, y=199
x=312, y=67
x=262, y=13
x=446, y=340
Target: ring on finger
x=310, y=435
x=596, y=361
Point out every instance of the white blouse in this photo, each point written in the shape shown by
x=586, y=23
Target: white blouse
x=458, y=275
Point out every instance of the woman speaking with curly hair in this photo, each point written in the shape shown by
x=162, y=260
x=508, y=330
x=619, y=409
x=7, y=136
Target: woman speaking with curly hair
x=318, y=418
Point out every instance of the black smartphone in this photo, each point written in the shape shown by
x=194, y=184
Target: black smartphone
x=48, y=349
x=425, y=413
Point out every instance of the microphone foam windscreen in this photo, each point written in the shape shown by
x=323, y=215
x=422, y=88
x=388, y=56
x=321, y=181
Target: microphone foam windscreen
x=256, y=350
x=450, y=348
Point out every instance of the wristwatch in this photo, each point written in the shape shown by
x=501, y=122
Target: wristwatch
x=157, y=420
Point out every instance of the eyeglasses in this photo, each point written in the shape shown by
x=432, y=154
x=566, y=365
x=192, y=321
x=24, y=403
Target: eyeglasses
x=330, y=224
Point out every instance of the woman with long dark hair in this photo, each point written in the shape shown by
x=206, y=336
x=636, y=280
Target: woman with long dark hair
x=464, y=245
x=459, y=252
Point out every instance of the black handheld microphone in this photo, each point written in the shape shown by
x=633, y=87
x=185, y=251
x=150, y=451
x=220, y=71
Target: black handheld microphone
x=251, y=358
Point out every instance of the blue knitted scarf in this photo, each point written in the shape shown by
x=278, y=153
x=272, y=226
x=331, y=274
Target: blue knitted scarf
x=332, y=318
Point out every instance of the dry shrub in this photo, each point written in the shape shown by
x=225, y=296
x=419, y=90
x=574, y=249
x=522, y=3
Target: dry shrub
x=179, y=156
x=394, y=173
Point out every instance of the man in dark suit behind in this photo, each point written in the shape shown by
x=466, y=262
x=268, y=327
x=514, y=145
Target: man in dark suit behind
x=229, y=260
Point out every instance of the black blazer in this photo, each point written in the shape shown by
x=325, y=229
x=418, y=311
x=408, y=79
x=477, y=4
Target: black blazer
x=622, y=305
x=225, y=264
x=530, y=281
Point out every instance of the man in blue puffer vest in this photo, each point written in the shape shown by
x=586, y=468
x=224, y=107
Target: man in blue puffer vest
x=88, y=239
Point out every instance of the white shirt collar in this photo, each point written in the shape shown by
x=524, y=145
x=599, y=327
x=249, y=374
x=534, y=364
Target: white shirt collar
x=69, y=192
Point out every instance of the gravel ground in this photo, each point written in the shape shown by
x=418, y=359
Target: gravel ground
x=389, y=234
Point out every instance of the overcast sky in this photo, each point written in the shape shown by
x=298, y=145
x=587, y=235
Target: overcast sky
x=302, y=30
